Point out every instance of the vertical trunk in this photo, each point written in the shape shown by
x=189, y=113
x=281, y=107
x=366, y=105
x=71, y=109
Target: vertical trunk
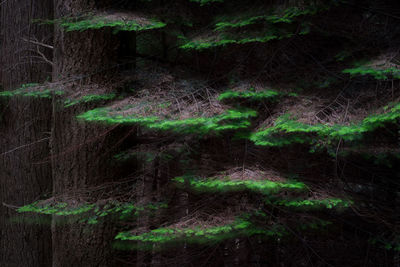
x=145, y=191
x=24, y=127
x=80, y=151
x=23, y=179
x=183, y=211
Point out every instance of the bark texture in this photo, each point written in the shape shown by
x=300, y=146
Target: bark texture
x=25, y=173
x=81, y=151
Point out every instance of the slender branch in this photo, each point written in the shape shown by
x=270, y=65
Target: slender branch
x=44, y=56
x=10, y=206
x=17, y=148
x=38, y=43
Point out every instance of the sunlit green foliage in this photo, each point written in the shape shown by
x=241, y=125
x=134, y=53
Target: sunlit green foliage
x=93, y=212
x=227, y=38
x=241, y=227
x=369, y=124
x=228, y=30
x=201, y=235
x=230, y=120
x=88, y=99
x=99, y=22
x=378, y=74
x=328, y=203
x=217, y=185
x=286, y=16
x=251, y=94
x=287, y=131
x=124, y=210
x=31, y=90
x=61, y=209
x=271, y=21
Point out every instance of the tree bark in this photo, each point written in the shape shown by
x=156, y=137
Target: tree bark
x=25, y=174
x=80, y=152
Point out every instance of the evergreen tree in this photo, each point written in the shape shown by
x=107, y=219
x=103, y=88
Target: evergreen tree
x=221, y=133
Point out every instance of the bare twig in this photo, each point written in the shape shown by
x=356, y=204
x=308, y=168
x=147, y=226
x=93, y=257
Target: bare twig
x=38, y=43
x=17, y=148
x=44, y=56
x=10, y=206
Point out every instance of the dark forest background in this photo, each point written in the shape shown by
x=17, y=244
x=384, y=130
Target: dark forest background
x=199, y=133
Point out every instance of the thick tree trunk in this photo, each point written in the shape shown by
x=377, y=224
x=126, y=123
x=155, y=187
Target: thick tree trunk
x=25, y=174
x=80, y=152
x=23, y=179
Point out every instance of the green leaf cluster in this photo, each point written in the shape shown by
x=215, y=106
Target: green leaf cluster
x=31, y=90
x=211, y=185
x=61, y=209
x=276, y=25
x=200, y=235
x=225, y=39
x=99, y=22
x=88, y=99
x=286, y=16
x=93, y=211
x=328, y=203
x=251, y=94
x=287, y=131
x=230, y=120
x=378, y=74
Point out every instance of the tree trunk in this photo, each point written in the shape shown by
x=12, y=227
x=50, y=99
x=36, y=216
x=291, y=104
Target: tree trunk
x=25, y=174
x=80, y=152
